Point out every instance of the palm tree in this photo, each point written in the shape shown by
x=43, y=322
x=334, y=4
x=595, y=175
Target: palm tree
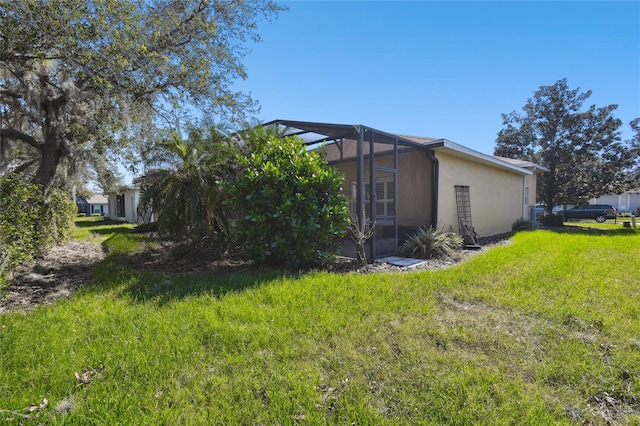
x=187, y=194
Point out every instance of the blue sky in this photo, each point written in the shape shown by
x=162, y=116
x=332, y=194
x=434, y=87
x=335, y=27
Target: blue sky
x=441, y=69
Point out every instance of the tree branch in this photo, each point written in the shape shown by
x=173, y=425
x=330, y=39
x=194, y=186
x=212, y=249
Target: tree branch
x=18, y=135
x=21, y=168
x=26, y=57
x=18, y=106
x=10, y=94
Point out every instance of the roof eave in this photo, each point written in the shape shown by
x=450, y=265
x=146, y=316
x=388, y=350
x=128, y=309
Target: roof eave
x=462, y=151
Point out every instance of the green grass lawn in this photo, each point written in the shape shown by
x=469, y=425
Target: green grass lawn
x=115, y=237
x=542, y=331
x=96, y=227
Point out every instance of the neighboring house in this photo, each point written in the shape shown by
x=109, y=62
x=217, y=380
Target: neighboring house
x=98, y=204
x=123, y=204
x=420, y=182
x=628, y=201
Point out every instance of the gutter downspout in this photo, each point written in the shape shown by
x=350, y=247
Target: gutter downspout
x=525, y=199
x=434, y=188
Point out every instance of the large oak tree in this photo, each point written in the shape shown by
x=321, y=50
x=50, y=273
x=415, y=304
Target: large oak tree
x=581, y=147
x=80, y=79
x=635, y=144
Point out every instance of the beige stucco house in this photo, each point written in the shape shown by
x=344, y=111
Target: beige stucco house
x=420, y=182
x=500, y=190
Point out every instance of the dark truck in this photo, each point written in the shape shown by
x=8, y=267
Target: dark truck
x=599, y=212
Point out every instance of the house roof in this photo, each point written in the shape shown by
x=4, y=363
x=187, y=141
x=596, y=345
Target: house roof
x=526, y=164
x=343, y=136
x=125, y=188
x=471, y=154
x=98, y=199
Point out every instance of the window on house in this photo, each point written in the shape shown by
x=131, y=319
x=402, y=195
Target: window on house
x=385, y=198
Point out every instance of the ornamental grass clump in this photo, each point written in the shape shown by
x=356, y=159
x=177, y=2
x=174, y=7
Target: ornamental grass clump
x=430, y=242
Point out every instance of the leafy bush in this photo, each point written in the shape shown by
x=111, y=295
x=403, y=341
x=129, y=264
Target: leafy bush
x=524, y=225
x=20, y=205
x=430, y=242
x=29, y=223
x=57, y=218
x=553, y=220
x=637, y=212
x=288, y=201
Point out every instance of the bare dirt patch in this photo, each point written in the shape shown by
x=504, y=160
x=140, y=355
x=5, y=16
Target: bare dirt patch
x=55, y=276
x=169, y=258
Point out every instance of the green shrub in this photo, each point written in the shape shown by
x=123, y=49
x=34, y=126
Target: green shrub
x=524, y=225
x=637, y=212
x=290, y=210
x=20, y=205
x=552, y=220
x=430, y=242
x=29, y=224
x=58, y=215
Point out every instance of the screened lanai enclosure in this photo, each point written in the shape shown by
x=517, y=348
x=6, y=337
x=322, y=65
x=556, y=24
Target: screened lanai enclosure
x=390, y=180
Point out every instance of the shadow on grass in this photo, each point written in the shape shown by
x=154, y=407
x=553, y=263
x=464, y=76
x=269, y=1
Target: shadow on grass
x=88, y=222
x=586, y=230
x=145, y=286
x=105, y=227
x=121, y=229
x=141, y=268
